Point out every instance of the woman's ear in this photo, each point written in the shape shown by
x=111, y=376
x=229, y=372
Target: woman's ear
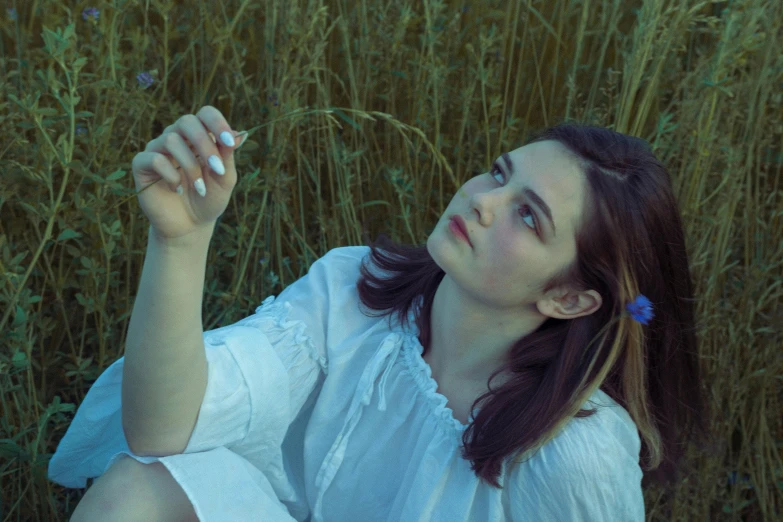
x=569, y=304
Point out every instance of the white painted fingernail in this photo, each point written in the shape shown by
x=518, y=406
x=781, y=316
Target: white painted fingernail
x=216, y=165
x=200, y=188
x=180, y=190
x=227, y=138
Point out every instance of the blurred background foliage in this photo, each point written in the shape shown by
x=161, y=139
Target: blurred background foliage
x=366, y=117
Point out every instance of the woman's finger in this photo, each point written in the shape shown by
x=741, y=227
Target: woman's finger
x=194, y=132
x=226, y=140
x=173, y=145
x=160, y=164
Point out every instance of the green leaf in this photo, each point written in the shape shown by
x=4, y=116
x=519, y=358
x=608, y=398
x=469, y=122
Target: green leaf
x=57, y=405
x=373, y=203
x=50, y=40
x=79, y=63
x=46, y=111
x=117, y=174
x=345, y=118
x=253, y=174
x=19, y=319
x=17, y=259
x=67, y=234
x=9, y=449
x=69, y=32
x=249, y=145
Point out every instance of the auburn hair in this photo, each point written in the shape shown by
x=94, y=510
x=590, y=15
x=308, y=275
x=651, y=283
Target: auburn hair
x=630, y=242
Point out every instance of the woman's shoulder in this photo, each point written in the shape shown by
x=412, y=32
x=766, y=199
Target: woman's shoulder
x=350, y=254
x=589, y=471
x=341, y=267
x=608, y=434
x=604, y=440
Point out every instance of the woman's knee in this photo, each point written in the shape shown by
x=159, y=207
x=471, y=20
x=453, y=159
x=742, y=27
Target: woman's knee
x=132, y=491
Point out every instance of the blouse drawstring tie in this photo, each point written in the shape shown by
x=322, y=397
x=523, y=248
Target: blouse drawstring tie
x=382, y=361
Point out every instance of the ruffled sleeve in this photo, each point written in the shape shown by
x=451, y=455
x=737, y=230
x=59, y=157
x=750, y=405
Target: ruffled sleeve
x=278, y=358
x=590, y=471
x=262, y=372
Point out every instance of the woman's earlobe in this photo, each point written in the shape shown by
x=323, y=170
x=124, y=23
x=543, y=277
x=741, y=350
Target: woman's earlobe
x=544, y=307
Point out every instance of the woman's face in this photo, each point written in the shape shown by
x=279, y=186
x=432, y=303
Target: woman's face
x=516, y=244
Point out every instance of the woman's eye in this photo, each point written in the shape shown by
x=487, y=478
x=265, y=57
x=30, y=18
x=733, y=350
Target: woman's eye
x=525, y=210
x=496, y=170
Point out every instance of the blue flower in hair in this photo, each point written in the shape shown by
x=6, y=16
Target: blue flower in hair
x=641, y=309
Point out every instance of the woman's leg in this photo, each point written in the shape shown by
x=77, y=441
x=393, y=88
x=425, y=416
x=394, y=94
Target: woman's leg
x=130, y=491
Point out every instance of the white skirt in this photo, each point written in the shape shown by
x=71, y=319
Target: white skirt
x=224, y=481
x=221, y=486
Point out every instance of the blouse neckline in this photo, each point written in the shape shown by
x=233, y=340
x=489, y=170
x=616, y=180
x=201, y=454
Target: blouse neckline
x=429, y=386
x=422, y=374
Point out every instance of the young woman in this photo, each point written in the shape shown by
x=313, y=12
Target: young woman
x=493, y=374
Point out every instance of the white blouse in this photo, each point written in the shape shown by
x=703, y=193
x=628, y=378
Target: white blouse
x=315, y=412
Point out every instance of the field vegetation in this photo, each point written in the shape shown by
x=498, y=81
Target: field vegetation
x=365, y=117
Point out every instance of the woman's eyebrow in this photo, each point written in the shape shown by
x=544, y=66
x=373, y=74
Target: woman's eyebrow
x=534, y=197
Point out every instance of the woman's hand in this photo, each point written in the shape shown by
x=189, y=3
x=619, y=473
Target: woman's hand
x=194, y=158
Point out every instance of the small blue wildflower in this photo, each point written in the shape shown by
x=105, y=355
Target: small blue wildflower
x=734, y=478
x=272, y=98
x=145, y=79
x=12, y=14
x=90, y=13
x=641, y=309
x=81, y=130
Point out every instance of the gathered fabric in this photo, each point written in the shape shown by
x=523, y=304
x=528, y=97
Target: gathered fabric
x=316, y=412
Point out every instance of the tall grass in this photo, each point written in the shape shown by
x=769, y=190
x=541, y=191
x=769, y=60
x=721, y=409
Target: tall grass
x=366, y=118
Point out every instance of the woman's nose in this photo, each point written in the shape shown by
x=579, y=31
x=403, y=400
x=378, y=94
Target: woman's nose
x=486, y=203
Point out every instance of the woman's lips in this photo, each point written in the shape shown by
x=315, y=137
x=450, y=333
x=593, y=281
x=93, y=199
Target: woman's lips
x=458, y=227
